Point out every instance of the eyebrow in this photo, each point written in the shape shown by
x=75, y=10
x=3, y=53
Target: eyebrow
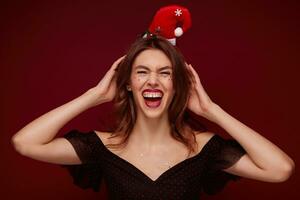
x=147, y=68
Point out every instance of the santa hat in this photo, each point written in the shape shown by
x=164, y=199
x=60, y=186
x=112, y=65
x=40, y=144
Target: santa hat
x=170, y=22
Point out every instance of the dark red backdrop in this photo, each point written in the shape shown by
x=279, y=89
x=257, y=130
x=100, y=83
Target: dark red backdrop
x=52, y=51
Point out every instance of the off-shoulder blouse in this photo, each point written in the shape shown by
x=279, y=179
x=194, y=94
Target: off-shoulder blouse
x=184, y=181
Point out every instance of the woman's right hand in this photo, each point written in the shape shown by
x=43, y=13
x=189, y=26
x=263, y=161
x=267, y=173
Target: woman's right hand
x=105, y=90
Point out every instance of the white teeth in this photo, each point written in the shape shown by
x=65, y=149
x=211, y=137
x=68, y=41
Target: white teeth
x=152, y=94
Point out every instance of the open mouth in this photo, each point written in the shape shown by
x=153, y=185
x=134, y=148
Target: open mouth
x=152, y=99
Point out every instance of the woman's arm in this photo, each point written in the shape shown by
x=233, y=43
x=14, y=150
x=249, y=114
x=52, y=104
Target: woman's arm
x=264, y=160
x=35, y=140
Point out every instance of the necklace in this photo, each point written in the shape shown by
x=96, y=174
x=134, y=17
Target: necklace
x=164, y=164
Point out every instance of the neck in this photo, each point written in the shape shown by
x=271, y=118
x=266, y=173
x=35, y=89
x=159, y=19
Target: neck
x=152, y=131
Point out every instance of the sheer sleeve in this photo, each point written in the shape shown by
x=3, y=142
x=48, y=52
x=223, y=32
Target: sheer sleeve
x=225, y=153
x=89, y=173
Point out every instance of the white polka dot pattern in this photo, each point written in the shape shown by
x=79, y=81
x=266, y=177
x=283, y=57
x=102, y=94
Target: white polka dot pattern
x=185, y=180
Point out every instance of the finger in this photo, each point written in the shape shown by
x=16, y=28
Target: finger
x=106, y=80
x=117, y=62
x=186, y=64
x=111, y=72
x=198, y=81
x=191, y=73
x=195, y=74
x=201, y=90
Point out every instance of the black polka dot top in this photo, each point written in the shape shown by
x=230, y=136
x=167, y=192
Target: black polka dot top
x=184, y=181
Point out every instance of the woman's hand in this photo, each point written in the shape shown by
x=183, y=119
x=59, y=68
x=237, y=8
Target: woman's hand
x=105, y=90
x=199, y=102
x=264, y=161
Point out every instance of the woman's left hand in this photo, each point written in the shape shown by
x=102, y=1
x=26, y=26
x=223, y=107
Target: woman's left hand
x=199, y=102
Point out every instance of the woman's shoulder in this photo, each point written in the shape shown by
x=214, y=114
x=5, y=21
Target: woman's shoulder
x=105, y=137
x=206, y=135
x=203, y=138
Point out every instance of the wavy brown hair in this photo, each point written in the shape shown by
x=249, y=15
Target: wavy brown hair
x=179, y=116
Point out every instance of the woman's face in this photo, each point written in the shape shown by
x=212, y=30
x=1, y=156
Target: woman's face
x=151, y=83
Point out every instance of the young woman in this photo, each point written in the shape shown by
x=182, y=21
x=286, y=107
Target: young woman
x=154, y=152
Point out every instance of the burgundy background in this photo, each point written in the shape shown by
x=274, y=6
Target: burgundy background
x=246, y=54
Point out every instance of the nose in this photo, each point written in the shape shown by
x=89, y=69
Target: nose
x=153, y=81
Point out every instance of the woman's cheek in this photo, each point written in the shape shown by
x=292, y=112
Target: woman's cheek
x=168, y=82
x=138, y=81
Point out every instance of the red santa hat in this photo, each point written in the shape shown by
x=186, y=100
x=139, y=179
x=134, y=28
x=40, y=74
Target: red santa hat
x=170, y=22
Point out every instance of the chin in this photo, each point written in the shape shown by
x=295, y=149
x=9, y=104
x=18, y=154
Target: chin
x=153, y=115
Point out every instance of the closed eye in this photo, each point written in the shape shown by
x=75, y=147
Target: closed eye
x=141, y=72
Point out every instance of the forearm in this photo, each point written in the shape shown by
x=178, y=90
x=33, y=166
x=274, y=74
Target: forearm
x=43, y=129
x=264, y=154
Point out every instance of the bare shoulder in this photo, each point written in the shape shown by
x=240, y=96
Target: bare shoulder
x=104, y=136
x=203, y=137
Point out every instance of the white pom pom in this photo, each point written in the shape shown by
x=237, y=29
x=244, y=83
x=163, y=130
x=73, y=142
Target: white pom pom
x=178, y=32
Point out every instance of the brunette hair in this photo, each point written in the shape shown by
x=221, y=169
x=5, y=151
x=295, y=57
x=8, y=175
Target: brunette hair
x=179, y=116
